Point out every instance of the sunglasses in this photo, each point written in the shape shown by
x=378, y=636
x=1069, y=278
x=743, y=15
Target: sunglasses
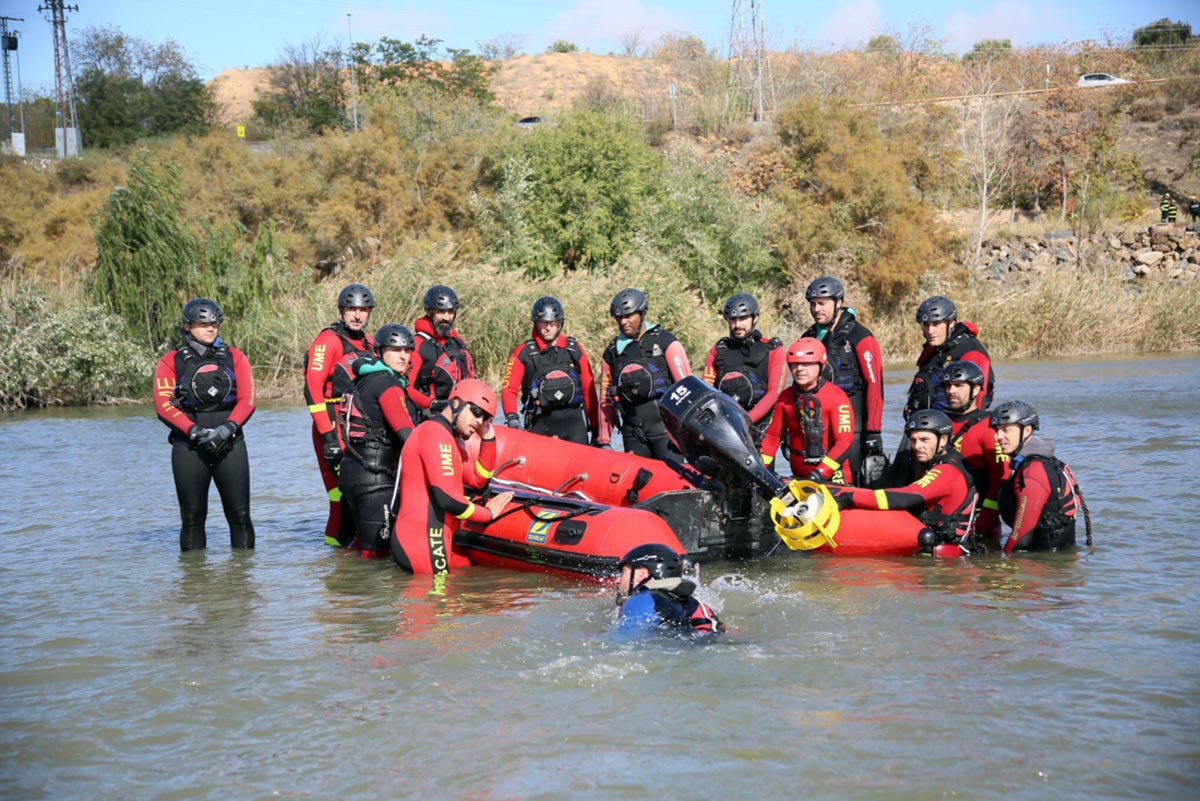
x=478, y=412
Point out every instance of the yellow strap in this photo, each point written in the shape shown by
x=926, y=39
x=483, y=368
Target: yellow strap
x=333, y=400
x=316, y=408
x=832, y=465
x=482, y=471
x=767, y=459
x=993, y=505
x=470, y=511
x=881, y=499
x=335, y=495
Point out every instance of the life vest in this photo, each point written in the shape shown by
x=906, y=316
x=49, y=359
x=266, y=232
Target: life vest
x=925, y=390
x=978, y=475
x=1056, y=524
x=640, y=371
x=443, y=364
x=205, y=383
x=341, y=377
x=811, y=420
x=741, y=367
x=953, y=526
x=686, y=613
x=841, y=368
x=555, y=381
x=365, y=432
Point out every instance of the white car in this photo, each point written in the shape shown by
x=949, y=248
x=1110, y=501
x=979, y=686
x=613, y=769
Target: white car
x=1099, y=79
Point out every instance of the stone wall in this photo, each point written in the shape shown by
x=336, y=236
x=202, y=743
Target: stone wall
x=1166, y=252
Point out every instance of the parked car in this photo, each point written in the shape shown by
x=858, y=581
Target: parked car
x=1099, y=79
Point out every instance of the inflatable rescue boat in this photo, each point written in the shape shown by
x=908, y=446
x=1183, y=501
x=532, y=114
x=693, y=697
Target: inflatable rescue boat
x=578, y=509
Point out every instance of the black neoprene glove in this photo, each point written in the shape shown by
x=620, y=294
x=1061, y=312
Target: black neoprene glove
x=512, y=420
x=197, y=433
x=873, y=443
x=817, y=476
x=331, y=449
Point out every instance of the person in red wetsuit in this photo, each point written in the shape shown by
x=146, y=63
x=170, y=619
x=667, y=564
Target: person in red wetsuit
x=815, y=415
x=637, y=367
x=204, y=393
x=441, y=358
x=855, y=366
x=1041, y=499
x=433, y=471
x=943, y=497
x=746, y=365
x=377, y=422
x=962, y=382
x=553, y=379
x=327, y=376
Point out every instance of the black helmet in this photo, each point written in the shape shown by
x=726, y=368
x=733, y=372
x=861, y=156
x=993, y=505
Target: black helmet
x=1014, y=411
x=547, y=310
x=356, y=296
x=441, y=297
x=393, y=335
x=743, y=304
x=963, y=372
x=628, y=301
x=202, y=310
x=660, y=560
x=825, y=286
x=928, y=420
x=936, y=309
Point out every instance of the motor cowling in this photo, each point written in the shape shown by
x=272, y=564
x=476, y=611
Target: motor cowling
x=713, y=432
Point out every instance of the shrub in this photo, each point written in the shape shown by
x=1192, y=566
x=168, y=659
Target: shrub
x=562, y=46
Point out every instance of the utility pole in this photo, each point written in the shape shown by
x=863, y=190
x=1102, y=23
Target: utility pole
x=8, y=42
x=353, y=78
x=748, y=64
x=66, y=134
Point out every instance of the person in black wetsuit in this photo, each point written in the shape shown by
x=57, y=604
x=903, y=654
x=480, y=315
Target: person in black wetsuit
x=378, y=419
x=204, y=393
x=652, y=594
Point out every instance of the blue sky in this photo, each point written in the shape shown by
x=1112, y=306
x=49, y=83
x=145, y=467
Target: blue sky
x=220, y=34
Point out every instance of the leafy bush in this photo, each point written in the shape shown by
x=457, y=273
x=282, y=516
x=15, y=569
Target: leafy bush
x=74, y=355
x=562, y=46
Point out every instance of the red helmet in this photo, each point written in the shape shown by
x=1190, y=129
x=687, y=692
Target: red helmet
x=472, y=390
x=806, y=350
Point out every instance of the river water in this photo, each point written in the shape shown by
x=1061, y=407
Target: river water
x=129, y=670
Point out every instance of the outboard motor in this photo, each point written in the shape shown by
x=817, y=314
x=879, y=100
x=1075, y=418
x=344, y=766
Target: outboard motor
x=713, y=432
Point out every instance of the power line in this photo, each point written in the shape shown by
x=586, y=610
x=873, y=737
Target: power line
x=71, y=143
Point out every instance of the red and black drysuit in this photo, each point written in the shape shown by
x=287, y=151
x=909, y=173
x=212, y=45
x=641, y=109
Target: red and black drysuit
x=327, y=376
x=634, y=374
x=1039, y=501
x=434, y=467
x=378, y=421
x=753, y=371
x=438, y=363
x=943, y=498
x=206, y=386
x=988, y=464
x=556, y=389
x=820, y=430
x=855, y=366
x=962, y=344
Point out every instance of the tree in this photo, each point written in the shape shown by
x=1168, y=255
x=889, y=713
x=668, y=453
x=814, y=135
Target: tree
x=306, y=87
x=391, y=61
x=883, y=43
x=129, y=88
x=988, y=49
x=562, y=46
x=1162, y=33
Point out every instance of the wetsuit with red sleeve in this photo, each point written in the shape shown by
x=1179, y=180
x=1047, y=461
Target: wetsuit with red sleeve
x=753, y=371
x=327, y=376
x=988, y=464
x=378, y=422
x=554, y=386
x=438, y=363
x=1040, y=501
x=207, y=386
x=962, y=343
x=434, y=468
x=943, y=498
x=820, y=430
x=855, y=366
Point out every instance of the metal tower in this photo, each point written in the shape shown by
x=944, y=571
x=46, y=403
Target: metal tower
x=69, y=141
x=8, y=43
x=749, y=68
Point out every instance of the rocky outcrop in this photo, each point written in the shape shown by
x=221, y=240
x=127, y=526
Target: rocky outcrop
x=1163, y=252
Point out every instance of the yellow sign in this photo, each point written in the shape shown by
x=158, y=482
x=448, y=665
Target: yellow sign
x=241, y=132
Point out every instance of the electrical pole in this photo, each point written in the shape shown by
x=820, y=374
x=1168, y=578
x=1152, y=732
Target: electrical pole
x=353, y=78
x=748, y=64
x=69, y=142
x=8, y=42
